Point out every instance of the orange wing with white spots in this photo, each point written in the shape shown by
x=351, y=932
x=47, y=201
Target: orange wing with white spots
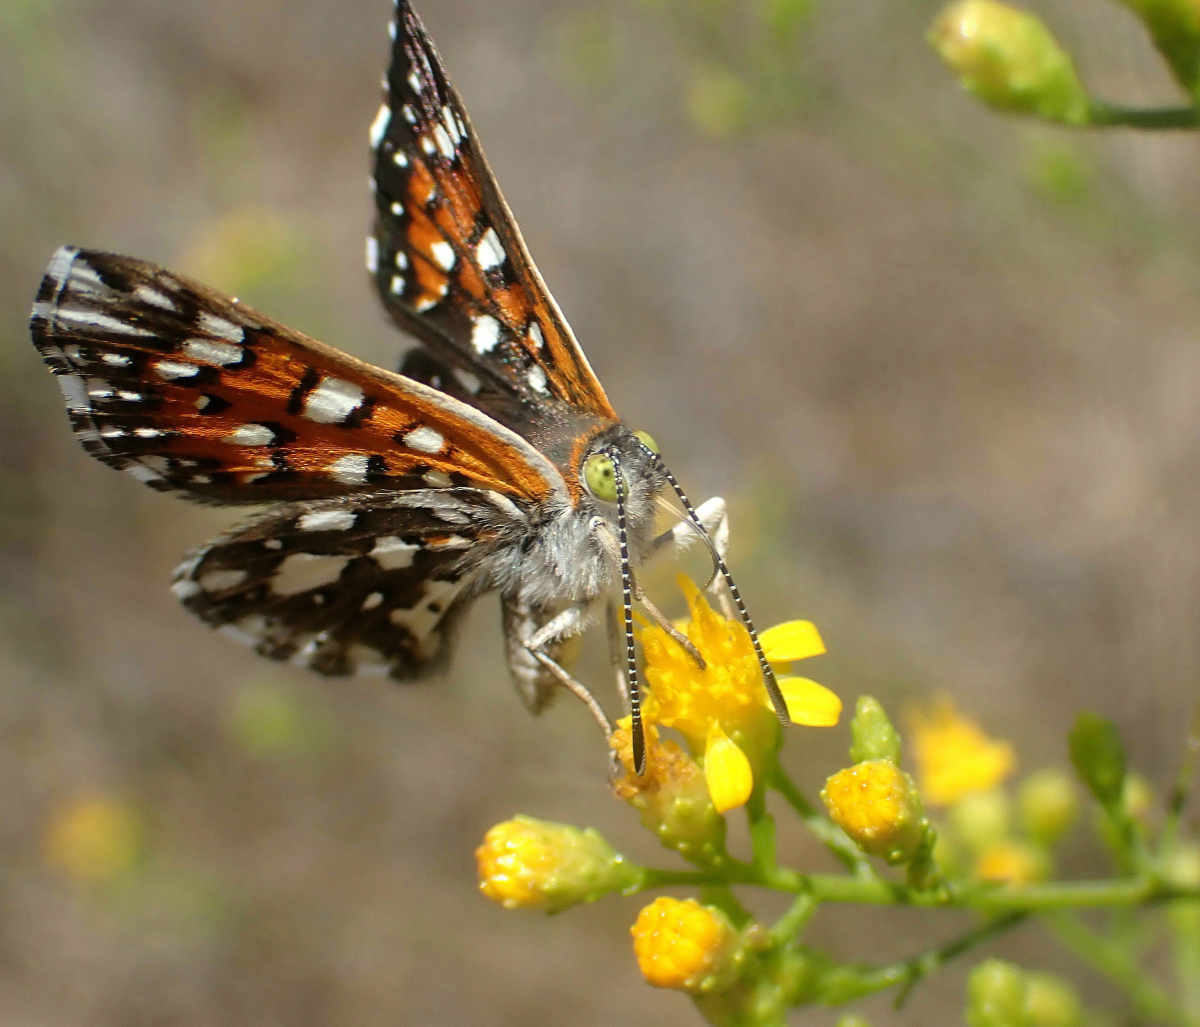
x=188, y=390
x=446, y=254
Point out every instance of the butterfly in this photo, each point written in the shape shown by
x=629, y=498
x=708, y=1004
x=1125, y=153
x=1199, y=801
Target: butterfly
x=493, y=461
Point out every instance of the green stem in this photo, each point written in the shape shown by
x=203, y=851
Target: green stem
x=1183, y=783
x=828, y=833
x=1106, y=115
x=1130, y=891
x=847, y=983
x=795, y=918
x=1114, y=961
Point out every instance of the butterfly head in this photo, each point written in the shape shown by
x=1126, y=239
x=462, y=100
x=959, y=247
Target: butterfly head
x=634, y=456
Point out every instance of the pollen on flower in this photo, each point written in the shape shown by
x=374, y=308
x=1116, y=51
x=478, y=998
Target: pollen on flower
x=954, y=756
x=877, y=805
x=684, y=945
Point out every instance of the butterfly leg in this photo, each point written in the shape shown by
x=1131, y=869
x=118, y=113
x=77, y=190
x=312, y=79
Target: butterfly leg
x=534, y=654
x=715, y=518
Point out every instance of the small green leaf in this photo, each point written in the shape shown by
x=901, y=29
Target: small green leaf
x=874, y=736
x=1099, y=757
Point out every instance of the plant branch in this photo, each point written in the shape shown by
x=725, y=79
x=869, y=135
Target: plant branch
x=1106, y=115
x=1114, y=961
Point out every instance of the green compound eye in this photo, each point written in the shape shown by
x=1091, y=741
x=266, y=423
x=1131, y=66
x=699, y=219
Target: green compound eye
x=647, y=440
x=601, y=477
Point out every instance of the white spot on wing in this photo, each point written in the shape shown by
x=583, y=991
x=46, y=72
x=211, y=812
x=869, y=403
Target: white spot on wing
x=379, y=126
x=535, y=335
x=489, y=252
x=210, y=324
x=400, y=159
x=485, y=333
x=537, y=378
x=142, y=473
x=451, y=127
x=424, y=439
x=60, y=264
x=445, y=144
x=392, y=553
x=170, y=369
x=372, y=601
x=116, y=359
x=443, y=254
x=414, y=81
x=72, y=390
x=401, y=260
x=409, y=114
x=153, y=297
x=427, y=144
x=350, y=470
x=332, y=401
x=372, y=254
x=303, y=571
x=206, y=351
x=219, y=581
x=326, y=520
x=250, y=435
x=397, y=285
x=96, y=320
x=185, y=589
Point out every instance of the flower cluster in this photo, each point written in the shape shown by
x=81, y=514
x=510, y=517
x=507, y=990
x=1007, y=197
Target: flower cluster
x=950, y=834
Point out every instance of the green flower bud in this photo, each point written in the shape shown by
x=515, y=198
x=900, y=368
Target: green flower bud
x=996, y=996
x=1099, y=757
x=982, y=818
x=1009, y=59
x=874, y=736
x=1048, y=805
x=1137, y=797
x=1051, y=1002
x=1174, y=26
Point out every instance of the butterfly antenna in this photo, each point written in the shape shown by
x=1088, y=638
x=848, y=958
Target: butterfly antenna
x=637, y=732
x=777, y=699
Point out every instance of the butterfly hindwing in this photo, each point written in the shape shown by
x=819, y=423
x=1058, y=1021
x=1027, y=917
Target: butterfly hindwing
x=446, y=254
x=191, y=391
x=361, y=585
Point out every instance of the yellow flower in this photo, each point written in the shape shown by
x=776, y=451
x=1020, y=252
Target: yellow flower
x=95, y=839
x=1012, y=862
x=685, y=945
x=527, y=863
x=724, y=711
x=877, y=805
x=954, y=756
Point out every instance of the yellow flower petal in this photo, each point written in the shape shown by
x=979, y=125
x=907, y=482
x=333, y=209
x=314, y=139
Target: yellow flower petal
x=727, y=771
x=808, y=703
x=791, y=640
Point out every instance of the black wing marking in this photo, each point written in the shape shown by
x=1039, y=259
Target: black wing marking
x=370, y=585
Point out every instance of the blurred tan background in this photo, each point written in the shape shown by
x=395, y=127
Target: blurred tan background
x=945, y=365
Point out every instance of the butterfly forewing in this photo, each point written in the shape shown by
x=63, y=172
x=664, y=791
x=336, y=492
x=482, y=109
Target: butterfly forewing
x=369, y=584
x=188, y=390
x=447, y=256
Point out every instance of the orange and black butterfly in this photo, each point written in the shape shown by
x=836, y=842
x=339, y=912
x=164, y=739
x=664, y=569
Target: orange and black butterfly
x=492, y=461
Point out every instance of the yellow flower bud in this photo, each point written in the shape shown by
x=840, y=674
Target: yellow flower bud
x=671, y=797
x=1012, y=862
x=1138, y=797
x=1009, y=59
x=686, y=946
x=527, y=863
x=95, y=839
x=877, y=805
x=1048, y=805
